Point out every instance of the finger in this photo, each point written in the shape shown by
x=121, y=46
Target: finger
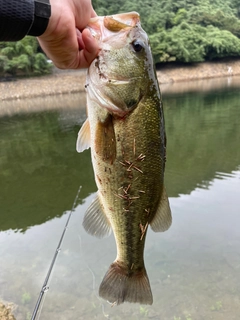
x=91, y=44
x=81, y=44
x=90, y=52
x=93, y=14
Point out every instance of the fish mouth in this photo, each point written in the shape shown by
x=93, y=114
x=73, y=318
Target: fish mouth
x=118, y=22
x=102, y=27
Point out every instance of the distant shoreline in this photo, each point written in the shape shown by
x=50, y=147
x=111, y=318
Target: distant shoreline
x=197, y=71
x=62, y=82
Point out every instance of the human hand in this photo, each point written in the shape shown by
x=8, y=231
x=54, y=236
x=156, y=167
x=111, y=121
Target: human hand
x=66, y=41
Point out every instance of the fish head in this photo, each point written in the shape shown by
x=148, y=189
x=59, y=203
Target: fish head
x=119, y=77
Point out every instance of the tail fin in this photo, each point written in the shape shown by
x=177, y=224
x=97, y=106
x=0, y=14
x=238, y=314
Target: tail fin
x=119, y=286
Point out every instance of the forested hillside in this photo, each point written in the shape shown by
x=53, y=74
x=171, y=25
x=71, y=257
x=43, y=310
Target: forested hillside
x=184, y=30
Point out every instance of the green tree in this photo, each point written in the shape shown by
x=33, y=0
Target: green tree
x=22, y=58
x=184, y=43
x=221, y=43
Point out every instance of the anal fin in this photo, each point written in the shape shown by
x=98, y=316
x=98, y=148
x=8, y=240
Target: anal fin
x=163, y=218
x=95, y=221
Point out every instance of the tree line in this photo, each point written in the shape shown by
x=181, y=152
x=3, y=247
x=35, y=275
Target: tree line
x=185, y=31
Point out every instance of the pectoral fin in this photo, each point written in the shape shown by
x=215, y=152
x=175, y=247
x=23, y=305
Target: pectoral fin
x=95, y=221
x=163, y=218
x=84, y=137
x=105, y=141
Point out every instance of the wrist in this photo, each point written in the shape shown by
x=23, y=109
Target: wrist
x=42, y=13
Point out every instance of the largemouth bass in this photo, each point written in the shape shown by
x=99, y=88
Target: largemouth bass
x=125, y=130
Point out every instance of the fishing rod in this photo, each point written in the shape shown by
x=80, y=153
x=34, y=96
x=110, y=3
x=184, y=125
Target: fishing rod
x=45, y=286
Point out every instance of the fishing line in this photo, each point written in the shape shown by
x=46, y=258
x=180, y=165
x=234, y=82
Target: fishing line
x=45, y=286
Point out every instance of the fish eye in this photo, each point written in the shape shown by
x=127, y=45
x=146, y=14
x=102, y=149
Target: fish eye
x=137, y=45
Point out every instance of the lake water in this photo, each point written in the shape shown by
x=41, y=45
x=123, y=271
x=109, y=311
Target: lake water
x=194, y=267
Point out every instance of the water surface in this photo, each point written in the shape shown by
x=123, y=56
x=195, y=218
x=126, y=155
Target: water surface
x=194, y=267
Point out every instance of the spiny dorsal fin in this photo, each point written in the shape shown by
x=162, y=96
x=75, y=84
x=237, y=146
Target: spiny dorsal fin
x=84, y=137
x=95, y=221
x=163, y=218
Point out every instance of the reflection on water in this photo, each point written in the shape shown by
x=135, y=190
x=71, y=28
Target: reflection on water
x=202, y=85
x=193, y=268
x=60, y=102
x=39, y=169
x=203, y=137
